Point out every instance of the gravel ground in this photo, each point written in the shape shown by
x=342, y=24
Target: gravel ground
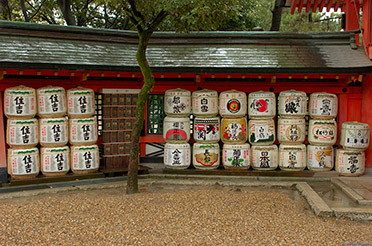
x=162, y=215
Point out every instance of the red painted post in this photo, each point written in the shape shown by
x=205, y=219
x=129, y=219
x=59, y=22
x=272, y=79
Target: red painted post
x=3, y=166
x=367, y=26
x=352, y=17
x=367, y=112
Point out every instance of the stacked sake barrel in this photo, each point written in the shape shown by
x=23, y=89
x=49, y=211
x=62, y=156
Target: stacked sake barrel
x=83, y=133
x=322, y=133
x=177, y=106
x=206, y=150
x=22, y=132
x=262, y=110
x=53, y=131
x=233, y=110
x=350, y=160
x=291, y=130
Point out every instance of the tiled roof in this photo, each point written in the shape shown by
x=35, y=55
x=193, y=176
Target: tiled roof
x=37, y=46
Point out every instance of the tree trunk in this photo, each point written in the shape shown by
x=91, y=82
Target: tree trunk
x=277, y=15
x=5, y=10
x=149, y=81
x=24, y=10
x=65, y=6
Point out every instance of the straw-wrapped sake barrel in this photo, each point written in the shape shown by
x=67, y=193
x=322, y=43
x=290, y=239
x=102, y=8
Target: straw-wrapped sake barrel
x=234, y=130
x=23, y=163
x=292, y=104
x=350, y=162
x=320, y=158
x=207, y=130
x=84, y=159
x=291, y=130
x=205, y=103
x=236, y=156
x=322, y=132
x=177, y=102
x=20, y=102
x=177, y=156
x=233, y=104
x=323, y=105
x=55, y=161
x=261, y=132
x=51, y=101
x=354, y=135
x=261, y=105
x=292, y=157
x=22, y=133
x=176, y=129
x=265, y=157
x=81, y=102
x=206, y=156
x=53, y=132
x=83, y=131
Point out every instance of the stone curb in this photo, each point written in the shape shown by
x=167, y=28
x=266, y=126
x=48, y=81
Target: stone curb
x=352, y=194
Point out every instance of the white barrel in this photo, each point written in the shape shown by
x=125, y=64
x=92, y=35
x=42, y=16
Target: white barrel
x=207, y=130
x=291, y=131
x=81, y=102
x=177, y=156
x=261, y=132
x=292, y=157
x=53, y=132
x=55, y=161
x=354, y=135
x=206, y=156
x=350, y=162
x=205, y=103
x=236, y=156
x=262, y=105
x=320, y=158
x=233, y=104
x=20, y=102
x=265, y=157
x=23, y=163
x=292, y=104
x=83, y=131
x=176, y=129
x=323, y=105
x=322, y=132
x=234, y=130
x=177, y=102
x=84, y=159
x=51, y=101
x=22, y=133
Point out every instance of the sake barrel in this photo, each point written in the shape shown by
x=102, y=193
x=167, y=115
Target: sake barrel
x=53, y=132
x=22, y=133
x=323, y=105
x=84, y=159
x=262, y=105
x=206, y=156
x=292, y=104
x=51, y=101
x=291, y=130
x=233, y=104
x=236, y=156
x=261, y=132
x=350, y=162
x=234, y=130
x=20, y=102
x=354, y=135
x=55, y=161
x=205, y=103
x=320, y=158
x=177, y=102
x=265, y=157
x=207, y=130
x=23, y=163
x=322, y=132
x=292, y=157
x=176, y=129
x=177, y=156
x=83, y=131
x=81, y=103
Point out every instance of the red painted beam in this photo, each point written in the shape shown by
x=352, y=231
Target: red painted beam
x=315, y=5
x=293, y=6
x=300, y=6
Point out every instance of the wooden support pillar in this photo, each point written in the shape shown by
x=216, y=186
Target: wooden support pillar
x=352, y=8
x=3, y=166
x=367, y=26
x=367, y=112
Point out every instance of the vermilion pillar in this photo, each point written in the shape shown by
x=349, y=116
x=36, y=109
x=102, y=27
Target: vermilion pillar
x=367, y=26
x=3, y=170
x=351, y=9
x=367, y=113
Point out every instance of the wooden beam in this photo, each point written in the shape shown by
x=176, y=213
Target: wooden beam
x=329, y=6
x=315, y=5
x=293, y=6
x=300, y=6
x=308, y=5
x=321, y=6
